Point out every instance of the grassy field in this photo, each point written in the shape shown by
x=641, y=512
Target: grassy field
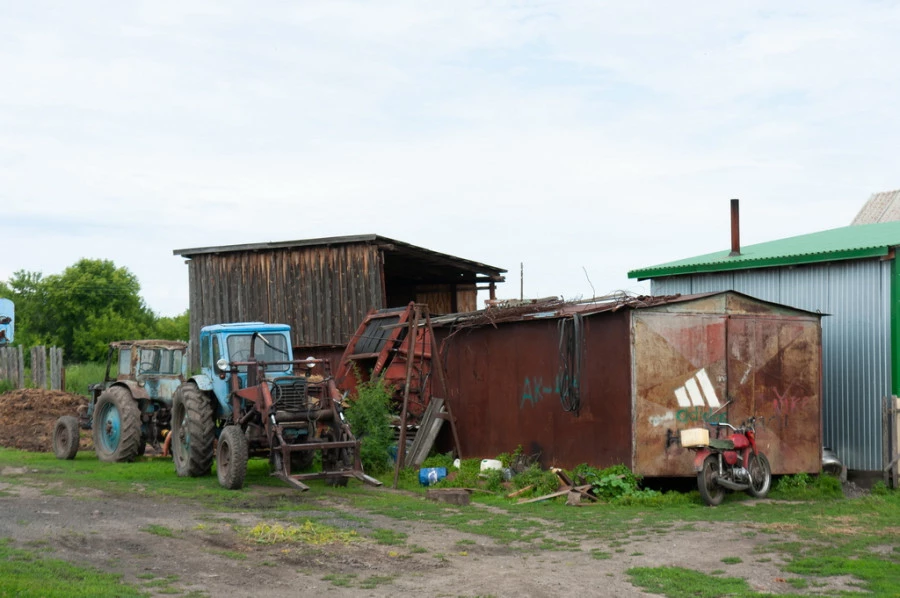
x=807, y=524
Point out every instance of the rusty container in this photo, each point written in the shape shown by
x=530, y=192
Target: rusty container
x=635, y=374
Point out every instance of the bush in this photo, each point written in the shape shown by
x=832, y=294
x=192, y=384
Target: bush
x=802, y=486
x=613, y=483
x=368, y=412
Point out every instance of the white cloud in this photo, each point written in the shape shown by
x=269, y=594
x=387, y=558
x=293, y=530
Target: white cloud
x=570, y=136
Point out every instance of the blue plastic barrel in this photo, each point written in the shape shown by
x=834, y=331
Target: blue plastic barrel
x=432, y=475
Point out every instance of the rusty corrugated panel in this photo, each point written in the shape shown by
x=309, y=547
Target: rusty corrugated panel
x=763, y=358
x=856, y=341
x=505, y=391
x=671, y=352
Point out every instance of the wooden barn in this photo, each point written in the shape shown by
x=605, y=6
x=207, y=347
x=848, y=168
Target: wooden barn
x=323, y=288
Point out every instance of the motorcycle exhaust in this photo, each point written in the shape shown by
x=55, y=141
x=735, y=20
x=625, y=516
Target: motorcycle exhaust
x=732, y=485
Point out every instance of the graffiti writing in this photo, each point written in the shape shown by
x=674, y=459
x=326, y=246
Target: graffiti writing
x=785, y=405
x=696, y=415
x=534, y=390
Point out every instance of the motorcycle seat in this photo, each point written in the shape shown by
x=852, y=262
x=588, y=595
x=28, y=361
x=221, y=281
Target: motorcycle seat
x=721, y=444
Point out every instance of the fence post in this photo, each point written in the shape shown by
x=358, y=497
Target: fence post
x=57, y=371
x=20, y=367
x=39, y=366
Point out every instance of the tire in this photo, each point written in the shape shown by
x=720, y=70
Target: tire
x=711, y=493
x=301, y=460
x=231, y=458
x=116, y=426
x=193, y=431
x=65, y=437
x=760, y=476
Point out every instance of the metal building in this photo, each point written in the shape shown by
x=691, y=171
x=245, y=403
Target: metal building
x=323, y=288
x=613, y=383
x=849, y=273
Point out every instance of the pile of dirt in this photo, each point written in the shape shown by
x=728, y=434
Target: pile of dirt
x=27, y=417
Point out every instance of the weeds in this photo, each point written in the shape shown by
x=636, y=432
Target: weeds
x=368, y=412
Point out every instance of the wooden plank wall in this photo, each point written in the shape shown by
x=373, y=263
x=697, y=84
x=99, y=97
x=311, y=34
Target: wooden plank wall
x=322, y=292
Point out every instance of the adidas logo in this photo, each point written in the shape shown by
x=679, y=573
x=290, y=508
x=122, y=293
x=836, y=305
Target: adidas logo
x=695, y=390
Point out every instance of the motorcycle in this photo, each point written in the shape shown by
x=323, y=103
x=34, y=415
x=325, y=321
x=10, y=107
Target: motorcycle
x=733, y=463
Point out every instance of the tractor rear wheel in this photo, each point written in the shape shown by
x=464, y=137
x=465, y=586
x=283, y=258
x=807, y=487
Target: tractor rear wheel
x=193, y=431
x=65, y=437
x=116, y=425
x=231, y=458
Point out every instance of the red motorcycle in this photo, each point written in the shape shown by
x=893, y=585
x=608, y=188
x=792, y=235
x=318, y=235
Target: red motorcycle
x=732, y=463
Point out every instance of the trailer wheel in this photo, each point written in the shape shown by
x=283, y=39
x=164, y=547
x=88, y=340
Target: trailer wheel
x=65, y=437
x=193, y=431
x=116, y=426
x=231, y=458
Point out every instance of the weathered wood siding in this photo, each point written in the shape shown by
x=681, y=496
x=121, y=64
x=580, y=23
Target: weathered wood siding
x=322, y=292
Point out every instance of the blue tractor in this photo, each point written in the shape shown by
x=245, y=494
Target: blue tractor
x=131, y=407
x=253, y=399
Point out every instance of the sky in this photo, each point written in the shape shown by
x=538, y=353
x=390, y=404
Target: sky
x=574, y=140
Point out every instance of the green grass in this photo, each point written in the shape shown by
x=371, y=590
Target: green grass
x=27, y=575
x=676, y=582
x=388, y=537
x=158, y=530
x=816, y=534
x=80, y=376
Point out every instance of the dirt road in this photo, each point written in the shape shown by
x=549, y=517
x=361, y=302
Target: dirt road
x=209, y=556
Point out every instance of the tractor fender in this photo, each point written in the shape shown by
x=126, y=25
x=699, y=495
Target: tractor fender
x=136, y=390
x=701, y=456
x=203, y=382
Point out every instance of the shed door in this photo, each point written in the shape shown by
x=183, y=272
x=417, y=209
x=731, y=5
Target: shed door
x=679, y=365
x=774, y=372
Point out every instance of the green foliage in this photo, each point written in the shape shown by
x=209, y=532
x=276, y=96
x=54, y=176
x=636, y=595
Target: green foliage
x=544, y=481
x=803, y=486
x=879, y=488
x=368, y=412
x=613, y=483
x=175, y=328
x=81, y=375
x=507, y=459
x=81, y=310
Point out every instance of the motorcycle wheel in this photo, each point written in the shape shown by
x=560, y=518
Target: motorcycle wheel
x=760, y=475
x=707, y=482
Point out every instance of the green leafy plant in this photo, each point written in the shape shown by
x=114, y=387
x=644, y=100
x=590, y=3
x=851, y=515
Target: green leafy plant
x=368, y=412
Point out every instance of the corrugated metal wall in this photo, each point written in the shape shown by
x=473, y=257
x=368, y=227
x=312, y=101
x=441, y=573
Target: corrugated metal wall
x=322, y=292
x=856, y=342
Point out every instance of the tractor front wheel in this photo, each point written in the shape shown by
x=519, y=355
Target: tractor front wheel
x=193, y=431
x=231, y=457
x=116, y=426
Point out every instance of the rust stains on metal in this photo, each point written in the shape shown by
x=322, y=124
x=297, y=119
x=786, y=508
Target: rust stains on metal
x=650, y=367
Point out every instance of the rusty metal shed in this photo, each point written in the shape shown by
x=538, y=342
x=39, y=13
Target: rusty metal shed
x=324, y=287
x=610, y=383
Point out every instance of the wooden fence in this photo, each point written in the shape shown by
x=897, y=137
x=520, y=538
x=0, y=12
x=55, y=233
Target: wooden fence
x=12, y=367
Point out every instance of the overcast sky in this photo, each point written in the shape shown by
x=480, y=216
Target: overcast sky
x=583, y=139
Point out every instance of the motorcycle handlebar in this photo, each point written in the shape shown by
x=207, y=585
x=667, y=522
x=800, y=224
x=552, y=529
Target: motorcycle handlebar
x=748, y=423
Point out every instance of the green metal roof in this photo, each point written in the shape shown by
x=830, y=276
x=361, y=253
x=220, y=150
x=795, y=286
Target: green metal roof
x=845, y=243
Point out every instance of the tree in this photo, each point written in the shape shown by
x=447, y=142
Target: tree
x=176, y=328
x=85, y=308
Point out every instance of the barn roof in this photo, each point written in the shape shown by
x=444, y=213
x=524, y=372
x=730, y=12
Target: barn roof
x=845, y=243
x=401, y=256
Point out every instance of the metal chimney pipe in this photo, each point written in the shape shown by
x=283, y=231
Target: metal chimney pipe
x=735, y=229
